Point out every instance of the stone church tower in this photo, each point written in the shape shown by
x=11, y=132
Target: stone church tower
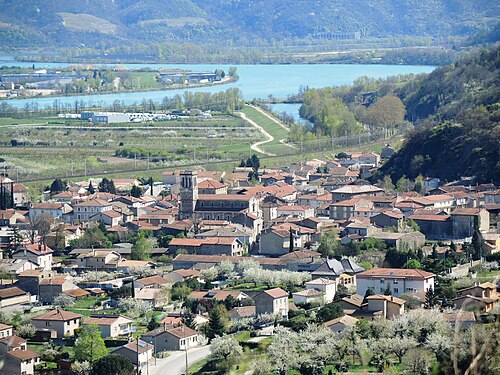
x=188, y=194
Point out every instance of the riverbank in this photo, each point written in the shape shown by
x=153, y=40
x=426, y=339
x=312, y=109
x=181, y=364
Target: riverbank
x=255, y=81
x=52, y=93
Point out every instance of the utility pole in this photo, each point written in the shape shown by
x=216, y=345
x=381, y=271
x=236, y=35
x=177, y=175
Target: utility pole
x=185, y=349
x=138, y=363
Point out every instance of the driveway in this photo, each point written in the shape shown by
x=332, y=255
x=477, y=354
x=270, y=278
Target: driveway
x=175, y=364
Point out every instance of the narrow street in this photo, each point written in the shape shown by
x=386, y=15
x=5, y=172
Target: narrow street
x=175, y=364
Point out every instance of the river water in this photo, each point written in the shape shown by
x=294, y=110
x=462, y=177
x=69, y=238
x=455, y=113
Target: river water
x=256, y=81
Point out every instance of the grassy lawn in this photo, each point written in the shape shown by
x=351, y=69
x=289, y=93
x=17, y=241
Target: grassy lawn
x=272, y=128
x=484, y=276
x=86, y=302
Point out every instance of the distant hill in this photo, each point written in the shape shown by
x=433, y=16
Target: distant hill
x=461, y=135
x=27, y=23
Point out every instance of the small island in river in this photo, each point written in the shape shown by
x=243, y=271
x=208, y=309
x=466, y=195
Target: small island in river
x=16, y=82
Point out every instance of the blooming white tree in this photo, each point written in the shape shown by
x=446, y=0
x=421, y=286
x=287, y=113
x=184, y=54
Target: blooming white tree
x=133, y=307
x=246, y=264
x=63, y=301
x=283, y=353
x=81, y=368
x=225, y=350
x=209, y=274
x=26, y=330
x=225, y=269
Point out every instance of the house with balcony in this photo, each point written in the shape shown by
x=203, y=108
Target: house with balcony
x=111, y=325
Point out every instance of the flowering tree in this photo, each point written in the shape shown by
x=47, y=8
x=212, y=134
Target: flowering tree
x=63, y=300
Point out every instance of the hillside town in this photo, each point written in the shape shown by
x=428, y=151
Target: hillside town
x=145, y=269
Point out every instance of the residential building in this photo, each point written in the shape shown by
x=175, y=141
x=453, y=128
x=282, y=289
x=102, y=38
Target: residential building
x=57, y=210
x=464, y=221
x=338, y=325
x=6, y=330
x=13, y=296
x=88, y=209
x=19, y=362
x=111, y=325
x=62, y=322
x=327, y=286
x=138, y=351
x=41, y=255
x=210, y=186
x=352, y=191
x=172, y=338
x=50, y=288
x=308, y=296
x=242, y=312
x=208, y=246
x=343, y=271
x=405, y=240
x=482, y=297
x=272, y=301
x=151, y=282
x=99, y=259
x=398, y=281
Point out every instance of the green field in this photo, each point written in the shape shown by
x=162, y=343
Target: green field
x=275, y=130
x=76, y=148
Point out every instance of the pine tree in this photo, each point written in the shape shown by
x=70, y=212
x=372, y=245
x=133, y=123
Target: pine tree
x=188, y=320
x=153, y=324
x=91, y=189
x=136, y=192
x=430, y=298
x=388, y=291
x=15, y=242
x=216, y=322
x=57, y=186
x=369, y=292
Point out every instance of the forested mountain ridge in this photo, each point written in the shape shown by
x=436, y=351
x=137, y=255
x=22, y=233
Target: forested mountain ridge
x=461, y=135
x=111, y=22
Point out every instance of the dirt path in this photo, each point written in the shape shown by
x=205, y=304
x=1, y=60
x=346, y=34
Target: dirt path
x=278, y=122
x=256, y=146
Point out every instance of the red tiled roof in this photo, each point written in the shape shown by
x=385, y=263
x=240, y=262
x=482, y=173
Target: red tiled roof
x=76, y=293
x=12, y=340
x=143, y=346
x=151, y=280
x=23, y=355
x=466, y=211
x=11, y=292
x=224, y=197
x=276, y=293
x=182, y=332
x=430, y=217
x=57, y=315
x=210, y=184
x=394, y=272
x=38, y=249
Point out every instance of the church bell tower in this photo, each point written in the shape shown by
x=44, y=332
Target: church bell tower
x=188, y=193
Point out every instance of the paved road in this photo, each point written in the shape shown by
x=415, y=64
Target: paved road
x=176, y=363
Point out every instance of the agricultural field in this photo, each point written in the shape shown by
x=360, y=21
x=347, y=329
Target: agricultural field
x=49, y=147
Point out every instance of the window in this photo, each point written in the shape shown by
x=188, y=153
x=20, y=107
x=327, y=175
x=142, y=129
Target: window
x=396, y=290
